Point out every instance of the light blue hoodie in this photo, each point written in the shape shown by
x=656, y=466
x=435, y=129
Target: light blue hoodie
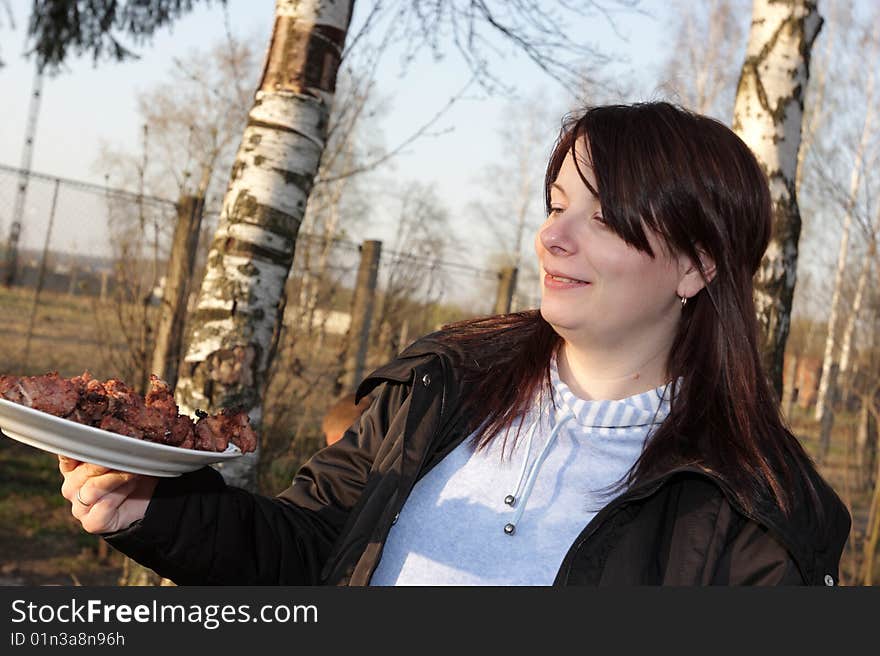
x=480, y=519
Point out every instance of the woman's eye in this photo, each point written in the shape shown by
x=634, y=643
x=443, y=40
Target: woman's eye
x=555, y=210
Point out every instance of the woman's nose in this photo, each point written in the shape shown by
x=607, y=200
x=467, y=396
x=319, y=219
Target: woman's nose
x=555, y=237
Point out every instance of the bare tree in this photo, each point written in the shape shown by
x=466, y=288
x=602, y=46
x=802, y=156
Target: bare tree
x=767, y=115
x=411, y=277
x=836, y=178
x=134, y=227
x=511, y=205
x=197, y=116
x=858, y=300
x=831, y=108
x=194, y=121
x=339, y=201
x=708, y=36
x=819, y=104
x=240, y=303
x=829, y=364
x=539, y=29
x=837, y=196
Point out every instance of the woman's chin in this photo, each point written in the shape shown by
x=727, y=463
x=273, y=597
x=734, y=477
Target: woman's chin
x=561, y=321
x=575, y=329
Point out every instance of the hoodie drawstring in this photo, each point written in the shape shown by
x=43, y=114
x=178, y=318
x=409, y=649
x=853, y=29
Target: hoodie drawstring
x=510, y=499
x=513, y=499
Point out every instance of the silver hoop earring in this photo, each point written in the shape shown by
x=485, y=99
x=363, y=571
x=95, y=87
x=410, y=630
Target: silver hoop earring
x=684, y=300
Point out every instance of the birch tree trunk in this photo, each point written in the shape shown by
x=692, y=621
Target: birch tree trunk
x=849, y=331
x=241, y=302
x=858, y=301
x=829, y=371
x=839, y=379
x=767, y=115
x=816, y=111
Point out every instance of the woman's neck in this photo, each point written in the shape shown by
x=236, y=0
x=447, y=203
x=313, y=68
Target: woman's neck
x=595, y=375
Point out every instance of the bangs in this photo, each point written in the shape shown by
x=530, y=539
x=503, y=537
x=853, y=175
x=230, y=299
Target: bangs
x=624, y=211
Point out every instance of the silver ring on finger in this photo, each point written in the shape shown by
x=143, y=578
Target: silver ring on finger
x=80, y=499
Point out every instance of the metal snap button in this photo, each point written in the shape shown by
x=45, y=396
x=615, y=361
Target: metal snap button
x=509, y=529
x=426, y=380
x=394, y=521
x=829, y=580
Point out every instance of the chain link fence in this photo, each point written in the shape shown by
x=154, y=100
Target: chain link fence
x=77, y=260
x=78, y=225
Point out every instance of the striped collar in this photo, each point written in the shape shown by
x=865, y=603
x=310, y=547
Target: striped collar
x=645, y=409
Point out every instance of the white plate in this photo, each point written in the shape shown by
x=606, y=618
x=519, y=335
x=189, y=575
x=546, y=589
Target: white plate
x=88, y=444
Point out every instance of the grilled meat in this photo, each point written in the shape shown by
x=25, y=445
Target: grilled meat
x=113, y=406
x=49, y=393
x=214, y=432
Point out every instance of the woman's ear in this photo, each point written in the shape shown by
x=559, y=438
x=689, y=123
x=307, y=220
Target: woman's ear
x=692, y=280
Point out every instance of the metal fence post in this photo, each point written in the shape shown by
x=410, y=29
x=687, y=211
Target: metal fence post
x=362, y=313
x=169, y=333
x=506, y=288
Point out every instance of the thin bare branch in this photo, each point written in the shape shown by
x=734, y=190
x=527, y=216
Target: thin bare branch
x=422, y=131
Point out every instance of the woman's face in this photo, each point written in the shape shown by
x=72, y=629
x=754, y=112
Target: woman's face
x=596, y=289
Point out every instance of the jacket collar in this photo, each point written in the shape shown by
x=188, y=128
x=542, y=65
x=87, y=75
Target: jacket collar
x=402, y=368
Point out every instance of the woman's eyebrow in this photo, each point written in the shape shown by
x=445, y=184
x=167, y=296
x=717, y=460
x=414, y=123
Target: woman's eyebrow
x=556, y=185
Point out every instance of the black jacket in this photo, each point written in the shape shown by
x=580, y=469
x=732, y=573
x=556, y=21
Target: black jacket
x=329, y=526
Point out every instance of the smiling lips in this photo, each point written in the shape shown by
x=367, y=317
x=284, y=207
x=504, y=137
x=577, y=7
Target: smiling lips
x=556, y=281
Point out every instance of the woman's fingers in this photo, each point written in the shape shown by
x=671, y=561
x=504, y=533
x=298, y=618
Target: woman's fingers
x=98, y=486
x=104, y=500
x=119, y=508
x=75, y=478
x=67, y=464
x=102, y=515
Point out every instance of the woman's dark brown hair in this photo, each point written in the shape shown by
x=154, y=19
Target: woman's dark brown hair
x=697, y=185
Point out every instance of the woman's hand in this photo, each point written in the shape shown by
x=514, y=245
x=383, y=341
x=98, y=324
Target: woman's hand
x=105, y=500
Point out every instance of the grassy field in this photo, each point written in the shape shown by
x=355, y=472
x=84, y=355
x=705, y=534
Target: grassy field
x=66, y=335
x=42, y=544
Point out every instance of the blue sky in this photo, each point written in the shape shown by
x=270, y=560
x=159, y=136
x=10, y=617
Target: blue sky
x=86, y=105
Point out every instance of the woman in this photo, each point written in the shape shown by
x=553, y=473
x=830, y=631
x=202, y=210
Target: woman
x=624, y=434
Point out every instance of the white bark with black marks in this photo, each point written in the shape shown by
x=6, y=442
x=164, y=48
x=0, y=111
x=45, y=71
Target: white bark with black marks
x=767, y=116
x=241, y=302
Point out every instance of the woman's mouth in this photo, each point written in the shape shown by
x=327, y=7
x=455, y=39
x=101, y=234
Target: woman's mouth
x=562, y=282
